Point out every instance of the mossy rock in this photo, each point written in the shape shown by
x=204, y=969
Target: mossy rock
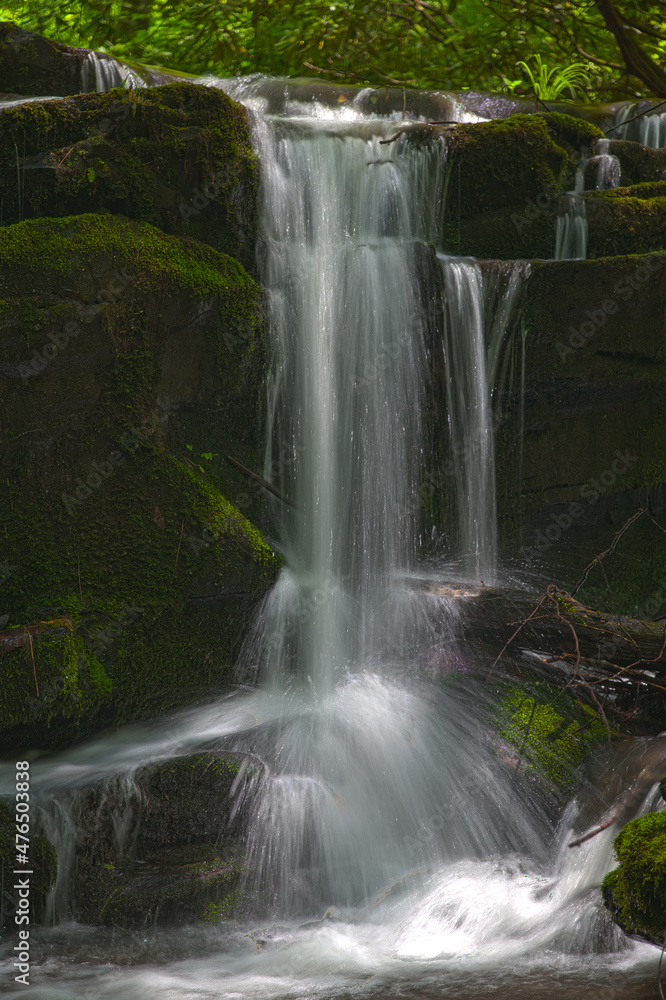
x=136, y=355
x=551, y=737
x=178, y=156
x=36, y=66
x=627, y=220
x=504, y=178
x=635, y=892
x=173, y=886
x=43, y=865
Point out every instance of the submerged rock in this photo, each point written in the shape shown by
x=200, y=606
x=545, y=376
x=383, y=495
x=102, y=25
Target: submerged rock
x=132, y=363
x=156, y=846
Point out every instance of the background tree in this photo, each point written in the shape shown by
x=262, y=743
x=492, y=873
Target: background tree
x=450, y=44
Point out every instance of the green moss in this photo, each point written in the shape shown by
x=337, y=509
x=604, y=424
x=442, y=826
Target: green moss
x=572, y=132
x=635, y=892
x=552, y=738
x=508, y=161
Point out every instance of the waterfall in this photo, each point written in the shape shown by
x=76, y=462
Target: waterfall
x=609, y=170
x=649, y=129
x=571, y=222
x=358, y=758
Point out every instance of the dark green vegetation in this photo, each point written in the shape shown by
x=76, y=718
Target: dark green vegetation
x=614, y=48
x=635, y=892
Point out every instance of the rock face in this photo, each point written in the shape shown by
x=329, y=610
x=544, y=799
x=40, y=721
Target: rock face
x=128, y=356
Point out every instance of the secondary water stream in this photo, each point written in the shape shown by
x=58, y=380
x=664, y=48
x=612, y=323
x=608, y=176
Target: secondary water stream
x=386, y=804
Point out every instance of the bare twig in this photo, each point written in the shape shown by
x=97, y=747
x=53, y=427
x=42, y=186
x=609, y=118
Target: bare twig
x=611, y=547
x=640, y=115
x=262, y=482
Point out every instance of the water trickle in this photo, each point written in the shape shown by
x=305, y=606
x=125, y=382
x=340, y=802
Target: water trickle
x=571, y=222
x=609, y=170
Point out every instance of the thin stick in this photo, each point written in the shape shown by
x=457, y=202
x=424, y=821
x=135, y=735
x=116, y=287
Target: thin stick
x=521, y=626
x=262, y=482
x=611, y=547
x=179, y=541
x=78, y=569
x=34, y=668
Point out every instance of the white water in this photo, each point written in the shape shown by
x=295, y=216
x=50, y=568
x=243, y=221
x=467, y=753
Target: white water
x=385, y=800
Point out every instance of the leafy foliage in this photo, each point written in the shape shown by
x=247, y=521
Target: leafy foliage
x=451, y=44
x=549, y=84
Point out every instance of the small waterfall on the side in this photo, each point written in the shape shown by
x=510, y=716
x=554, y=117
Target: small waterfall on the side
x=476, y=327
x=649, y=129
x=101, y=73
x=571, y=222
x=608, y=167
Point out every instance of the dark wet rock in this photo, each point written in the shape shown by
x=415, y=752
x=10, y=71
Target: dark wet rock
x=30, y=64
x=132, y=364
x=157, y=846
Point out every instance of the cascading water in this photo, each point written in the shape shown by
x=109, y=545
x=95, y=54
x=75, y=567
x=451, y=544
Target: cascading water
x=571, y=222
x=386, y=802
x=649, y=129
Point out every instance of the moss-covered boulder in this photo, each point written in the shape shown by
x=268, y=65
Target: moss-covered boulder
x=43, y=868
x=132, y=364
x=504, y=179
x=157, y=846
x=177, y=156
x=635, y=892
x=626, y=220
x=36, y=66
